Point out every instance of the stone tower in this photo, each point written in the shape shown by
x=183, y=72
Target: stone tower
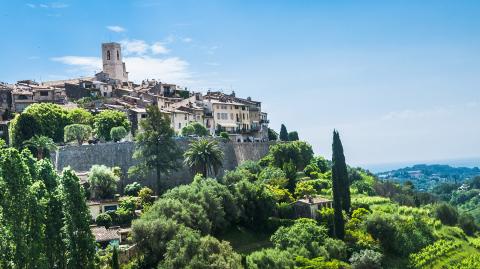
x=112, y=62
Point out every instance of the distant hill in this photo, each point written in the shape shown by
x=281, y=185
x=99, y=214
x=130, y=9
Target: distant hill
x=426, y=176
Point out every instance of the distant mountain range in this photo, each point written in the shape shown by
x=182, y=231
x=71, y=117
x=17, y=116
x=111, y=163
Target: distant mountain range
x=426, y=176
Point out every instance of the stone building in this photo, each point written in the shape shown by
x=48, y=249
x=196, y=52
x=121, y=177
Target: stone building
x=308, y=206
x=113, y=64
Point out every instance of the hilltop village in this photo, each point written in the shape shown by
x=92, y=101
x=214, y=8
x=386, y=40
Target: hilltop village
x=241, y=118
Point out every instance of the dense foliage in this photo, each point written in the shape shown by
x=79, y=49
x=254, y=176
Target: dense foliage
x=108, y=119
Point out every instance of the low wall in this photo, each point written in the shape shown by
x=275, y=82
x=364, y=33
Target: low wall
x=81, y=158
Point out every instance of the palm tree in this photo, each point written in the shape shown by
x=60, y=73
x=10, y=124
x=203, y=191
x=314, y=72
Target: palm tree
x=42, y=145
x=204, y=156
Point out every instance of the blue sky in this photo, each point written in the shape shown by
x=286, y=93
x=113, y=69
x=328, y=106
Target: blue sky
x=399, y=79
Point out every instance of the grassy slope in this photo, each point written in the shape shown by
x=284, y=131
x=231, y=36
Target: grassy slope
x=246, y=241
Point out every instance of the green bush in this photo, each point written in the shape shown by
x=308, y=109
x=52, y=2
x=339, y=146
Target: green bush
x=103, y=182
x=132, y=189
x=104, y=219
x=118, y=133
x=366, y=259
x=106, y=120
x=77, y=132
x=447, y=214
x=224, y=135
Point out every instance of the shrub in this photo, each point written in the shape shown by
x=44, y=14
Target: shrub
x=146, y=197
x=104, y=219
x=77, y=132
x=270, y=258
x=447, y=214
x=118, y=133
x=467, y=223
x=224, y=135
x=132, y=189
x=366, y=259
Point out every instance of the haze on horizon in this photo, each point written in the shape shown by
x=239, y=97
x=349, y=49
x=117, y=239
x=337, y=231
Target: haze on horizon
x=399, y=79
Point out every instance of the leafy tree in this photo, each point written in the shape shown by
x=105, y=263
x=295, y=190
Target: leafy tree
x=155, y=148
x=366, y=259
x=319, y=263
x=194, y=128
x=41, y=144
x=78, y=238
x=41, y=119
x=80, y=116
x=204, y=156
x=293, y=136
x=291, y=174
x=270, y=258
x=304, y=188
x=107, y=119
x=303, y=237
x=104, y=219
x=272, y=135
x=299, y=152
x=447, y=214
x=118, y=133
x=273, y=176
x=77, y=132
x=283, y=133
x=132, y=189
x=382, y=229
x=102, y=181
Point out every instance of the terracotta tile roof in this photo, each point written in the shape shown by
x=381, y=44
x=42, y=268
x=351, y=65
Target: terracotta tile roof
x=104, y=235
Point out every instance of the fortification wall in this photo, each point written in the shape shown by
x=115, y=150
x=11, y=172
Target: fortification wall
x=81, y=158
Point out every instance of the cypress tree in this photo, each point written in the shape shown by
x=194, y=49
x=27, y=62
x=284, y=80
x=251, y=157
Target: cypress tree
x=115, y=264
x=78, y=238
x=340, y=172
x=340, y=186
x=283, y=133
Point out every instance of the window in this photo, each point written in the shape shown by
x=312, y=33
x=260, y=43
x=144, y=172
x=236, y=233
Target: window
x=231, y=116
x=43, y=93
x=108, y=55
x=186, y=116
x=109, y=208
x=144, y=116
x=118, y=55
x=218, y=116
x=179, y=125
x=243, y=116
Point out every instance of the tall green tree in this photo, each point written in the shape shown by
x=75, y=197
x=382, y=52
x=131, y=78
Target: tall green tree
x=283, y=133
x=272, y=135
x=340, y=172
x=54, y=215
x=155, y=148
x=340, y=186
x=42, y=145
x=15, y=197
x=78, y=238
x=204, y=156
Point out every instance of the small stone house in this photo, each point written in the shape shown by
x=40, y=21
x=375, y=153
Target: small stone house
x=101, y=206
x=308, y=206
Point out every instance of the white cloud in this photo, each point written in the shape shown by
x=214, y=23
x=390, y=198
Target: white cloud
x=187, y=39
x=31, y=5
x=172, y=69
x=134, y=47
x=89, y=64
x=116, y=28
x=159, y=48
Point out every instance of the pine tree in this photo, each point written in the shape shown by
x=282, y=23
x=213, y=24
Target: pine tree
x=283, y=133
x=78, y=238
x=340, y=186
x=155, y=148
